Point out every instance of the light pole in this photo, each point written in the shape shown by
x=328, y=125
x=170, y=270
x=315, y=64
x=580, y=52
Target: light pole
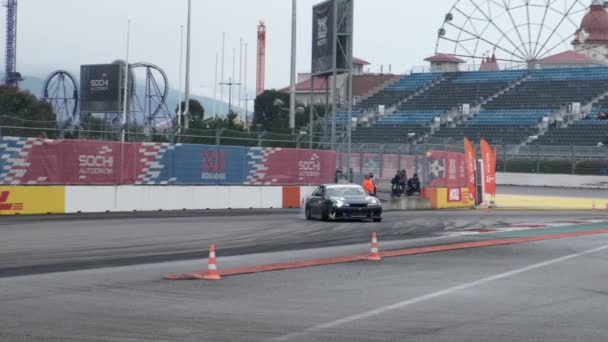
x=187, y=92
x=292, y=88
x=126, y=80
x=181, y=71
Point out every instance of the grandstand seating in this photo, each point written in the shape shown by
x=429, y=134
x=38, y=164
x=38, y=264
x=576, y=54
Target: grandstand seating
x=552, y=88
x=399, y=90
x=509, y=118
x=410, y=118
x=462, y=88
x=516, y=117
x=342, y=117
x=581, y=133
x=496, y=134
x=390, y=134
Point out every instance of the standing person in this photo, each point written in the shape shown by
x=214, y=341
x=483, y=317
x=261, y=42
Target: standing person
x=368, y=186
x=351, y=176
x=396, y=185
x=403, y=181
x=338, y=175
x=371, y=177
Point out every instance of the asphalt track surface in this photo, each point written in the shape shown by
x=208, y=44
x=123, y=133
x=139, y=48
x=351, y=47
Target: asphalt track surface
x=99, y=279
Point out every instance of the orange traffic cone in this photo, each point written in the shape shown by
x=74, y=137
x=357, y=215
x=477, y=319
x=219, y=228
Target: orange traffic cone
x=212, y=273
x=375, y=254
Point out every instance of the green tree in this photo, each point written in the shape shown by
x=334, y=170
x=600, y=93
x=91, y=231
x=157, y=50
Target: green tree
x=23, y=115
x=271, y=112
x=197, y=111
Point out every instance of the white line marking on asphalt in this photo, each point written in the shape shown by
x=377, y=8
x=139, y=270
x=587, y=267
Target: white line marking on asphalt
x=430, y=296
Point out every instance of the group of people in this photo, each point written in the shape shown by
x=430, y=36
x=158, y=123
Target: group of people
x=401, y=185
x=340, y=176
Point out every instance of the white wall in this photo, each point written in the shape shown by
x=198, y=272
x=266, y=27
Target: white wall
x=94, y=199
x=564, y=181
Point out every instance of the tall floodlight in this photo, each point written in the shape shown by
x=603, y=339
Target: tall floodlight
x=11, y=76
x=181, y=70
x=222, y=103
x=261, y=60
x=188, y=44
x=331, y=59
x=292, y=86
x=125, y=105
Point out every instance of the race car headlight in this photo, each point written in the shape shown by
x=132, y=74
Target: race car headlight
x=340, y=204
x=373, y=201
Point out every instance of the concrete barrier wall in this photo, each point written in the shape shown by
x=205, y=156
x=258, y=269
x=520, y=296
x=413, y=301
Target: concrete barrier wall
x=98, y=199
x=564, y=181
x=136, y=198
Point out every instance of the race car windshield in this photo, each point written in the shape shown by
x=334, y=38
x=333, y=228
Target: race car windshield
x=344, y=192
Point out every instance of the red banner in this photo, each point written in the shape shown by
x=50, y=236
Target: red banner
x=446, y=170
x=390, y=165
x=489, y=167
x=81, y=163
x=292, y=167
x=471, y=164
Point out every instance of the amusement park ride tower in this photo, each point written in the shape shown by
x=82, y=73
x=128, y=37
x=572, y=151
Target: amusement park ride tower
x=261, y=60
x=11, y=76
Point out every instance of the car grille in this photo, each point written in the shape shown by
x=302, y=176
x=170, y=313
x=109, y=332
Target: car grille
x=358, y=205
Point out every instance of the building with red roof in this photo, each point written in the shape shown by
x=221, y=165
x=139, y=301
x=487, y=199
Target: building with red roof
x=591, y=39
x=442, y=62
x=363, y=84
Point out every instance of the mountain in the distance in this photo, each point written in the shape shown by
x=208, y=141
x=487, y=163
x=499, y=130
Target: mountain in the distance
x=35, y=84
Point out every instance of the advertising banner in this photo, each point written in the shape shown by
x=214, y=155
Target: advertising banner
x=100, y=88
x=471, y=165
x=323, y=37
x=371, y=163
x=445, y=169
x=489, y=167
x=390, y=165
x=32, y=200
x=28, y=161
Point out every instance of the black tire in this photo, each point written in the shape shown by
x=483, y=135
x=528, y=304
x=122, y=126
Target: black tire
x=378, y=220
x=307, y=213
x=325, y=215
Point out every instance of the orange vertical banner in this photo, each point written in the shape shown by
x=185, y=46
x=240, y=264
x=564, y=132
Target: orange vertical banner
x=471, y=164
x=488, y=155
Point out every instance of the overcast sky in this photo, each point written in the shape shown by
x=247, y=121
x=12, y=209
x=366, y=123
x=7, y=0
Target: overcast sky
x=68, y=33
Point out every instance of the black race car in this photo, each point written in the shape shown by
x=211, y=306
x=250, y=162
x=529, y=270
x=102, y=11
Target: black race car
x=334, y=202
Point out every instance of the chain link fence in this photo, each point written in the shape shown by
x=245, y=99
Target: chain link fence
x=574, y=160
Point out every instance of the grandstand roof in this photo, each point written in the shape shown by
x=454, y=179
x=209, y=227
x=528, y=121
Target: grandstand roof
x=362, y=84
x=442, y=57
x=568, y=57
x=360, y=61
x=594, y=27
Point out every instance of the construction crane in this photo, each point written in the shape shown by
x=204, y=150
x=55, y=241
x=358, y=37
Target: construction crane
x=11, y=76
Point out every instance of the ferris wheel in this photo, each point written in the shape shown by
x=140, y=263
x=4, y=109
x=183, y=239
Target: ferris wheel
x=516, y=31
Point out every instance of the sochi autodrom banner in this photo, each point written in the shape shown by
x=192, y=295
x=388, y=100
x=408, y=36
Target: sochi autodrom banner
x=29, y=161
